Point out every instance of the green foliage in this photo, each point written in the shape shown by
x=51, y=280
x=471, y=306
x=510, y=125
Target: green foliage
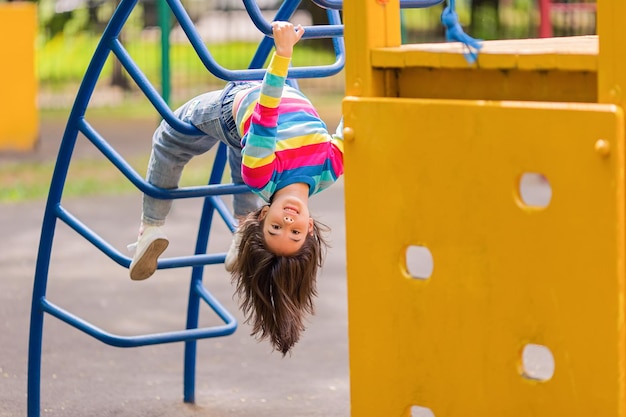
x=78, y=22
x=487, y=24
x=76, y=52
x=429, y=19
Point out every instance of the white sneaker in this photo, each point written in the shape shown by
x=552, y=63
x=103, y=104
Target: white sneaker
x=149, y=246
x=233, y=252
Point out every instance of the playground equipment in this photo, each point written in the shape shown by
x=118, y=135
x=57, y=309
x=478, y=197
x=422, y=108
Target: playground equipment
x=516, y=307
x=212, y=192
x=19, y=122
x=77, y=123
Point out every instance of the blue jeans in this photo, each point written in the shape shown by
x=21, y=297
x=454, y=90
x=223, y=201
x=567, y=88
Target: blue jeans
x=211, y=113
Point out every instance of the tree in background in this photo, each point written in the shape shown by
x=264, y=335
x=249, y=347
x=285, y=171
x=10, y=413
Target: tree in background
x=485, y=22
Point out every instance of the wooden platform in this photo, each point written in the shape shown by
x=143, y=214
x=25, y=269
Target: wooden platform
x=576, y=53
x=549, y=69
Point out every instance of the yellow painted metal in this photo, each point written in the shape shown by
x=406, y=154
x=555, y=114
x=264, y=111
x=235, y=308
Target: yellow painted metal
x=557, y=69
x=575, y=53
x=445, y=175
x=612, y=56
x=19, y=121
x=360, y=17
x=554, y=69
x=435, y=152
x=491, y=84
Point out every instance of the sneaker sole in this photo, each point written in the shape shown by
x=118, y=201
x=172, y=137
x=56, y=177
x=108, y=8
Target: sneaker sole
x=148, y=262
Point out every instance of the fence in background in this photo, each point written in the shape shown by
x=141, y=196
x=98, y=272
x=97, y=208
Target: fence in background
x=225, y=22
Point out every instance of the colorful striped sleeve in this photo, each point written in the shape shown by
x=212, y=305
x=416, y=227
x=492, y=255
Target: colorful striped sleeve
x=261, y=136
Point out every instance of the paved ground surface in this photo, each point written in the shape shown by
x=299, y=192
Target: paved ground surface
x=236, y=376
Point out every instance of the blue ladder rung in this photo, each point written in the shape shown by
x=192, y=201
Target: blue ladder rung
x=287, y=9
x=125, y=168
x=116, y=255
x=148, y=89
x=191, y=260
x=149, y=339
x=310, y=32
x=190, y=192
x=404, y=4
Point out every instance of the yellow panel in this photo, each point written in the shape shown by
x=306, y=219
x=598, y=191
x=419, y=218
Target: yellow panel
x=444, y=175
x=612, y=60
x=555, y=69
x=484, y=84
x=19, y=122
x=359, y=17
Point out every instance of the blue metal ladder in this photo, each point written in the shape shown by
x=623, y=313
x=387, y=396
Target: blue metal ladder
x=54, y=211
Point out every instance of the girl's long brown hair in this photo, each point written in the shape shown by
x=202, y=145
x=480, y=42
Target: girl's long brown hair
x=276, y=292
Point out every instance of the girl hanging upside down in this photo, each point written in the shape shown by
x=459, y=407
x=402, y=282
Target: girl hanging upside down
x=279, y=148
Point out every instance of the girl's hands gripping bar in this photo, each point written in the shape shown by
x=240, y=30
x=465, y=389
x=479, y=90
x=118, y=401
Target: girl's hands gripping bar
x=285, y=37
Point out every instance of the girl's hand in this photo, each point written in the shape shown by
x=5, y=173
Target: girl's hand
x=285, y=37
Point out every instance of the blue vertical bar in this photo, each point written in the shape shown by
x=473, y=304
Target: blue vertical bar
x=59, y=177
x=193, y=306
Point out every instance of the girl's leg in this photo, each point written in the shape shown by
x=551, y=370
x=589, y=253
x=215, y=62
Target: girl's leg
x=172, y=150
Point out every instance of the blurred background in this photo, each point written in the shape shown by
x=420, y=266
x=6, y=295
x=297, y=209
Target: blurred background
x=69, y=30
x=51, y=42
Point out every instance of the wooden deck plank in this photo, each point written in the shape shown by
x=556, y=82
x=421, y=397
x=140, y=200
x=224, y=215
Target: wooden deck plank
x=576, y=53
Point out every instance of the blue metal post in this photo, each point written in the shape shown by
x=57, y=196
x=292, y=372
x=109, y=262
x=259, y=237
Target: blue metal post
x=54, y=199
x=193, y=306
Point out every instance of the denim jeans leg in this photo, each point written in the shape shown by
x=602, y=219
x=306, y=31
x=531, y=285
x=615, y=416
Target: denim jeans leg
x=172, y=150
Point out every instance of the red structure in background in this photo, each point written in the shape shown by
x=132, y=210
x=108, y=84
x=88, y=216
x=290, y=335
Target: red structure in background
x=546, y=7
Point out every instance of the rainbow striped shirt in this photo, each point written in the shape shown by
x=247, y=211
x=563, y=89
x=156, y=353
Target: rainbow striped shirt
x=283, y=138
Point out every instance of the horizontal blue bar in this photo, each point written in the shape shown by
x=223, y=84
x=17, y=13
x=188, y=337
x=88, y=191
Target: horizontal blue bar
x=156, y=192
x=116, y=255
x=404, y=4
x=142, y=340
x=217, y=70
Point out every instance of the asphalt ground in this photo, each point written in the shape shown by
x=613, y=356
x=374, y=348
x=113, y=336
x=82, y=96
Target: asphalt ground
x=236, y=375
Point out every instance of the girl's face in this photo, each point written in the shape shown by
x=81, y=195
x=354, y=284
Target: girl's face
x=286, y=226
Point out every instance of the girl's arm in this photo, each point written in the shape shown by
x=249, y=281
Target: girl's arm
x=260, y=141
